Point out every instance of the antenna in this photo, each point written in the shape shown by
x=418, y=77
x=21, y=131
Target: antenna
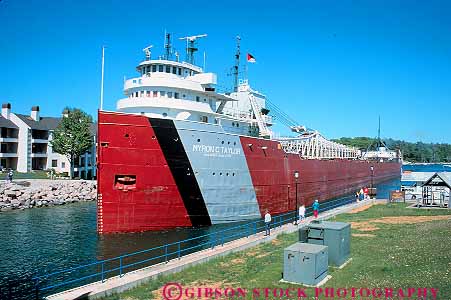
x=168, y=46
x=191, y=47
x=147, y=51
x=176, y=56
x=237, y=64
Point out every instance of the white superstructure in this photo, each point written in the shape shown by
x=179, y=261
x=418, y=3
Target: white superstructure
x=167, y=88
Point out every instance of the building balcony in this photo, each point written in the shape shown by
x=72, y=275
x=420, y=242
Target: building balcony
x=39, y=141
x=9, y=140
x=38, y=154
x=8, y=154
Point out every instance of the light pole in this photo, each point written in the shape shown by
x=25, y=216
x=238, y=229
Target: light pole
x=372, y=176
x=296, y=214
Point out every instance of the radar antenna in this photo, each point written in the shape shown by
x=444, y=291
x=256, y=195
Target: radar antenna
x=191, y=46
x=148, y=52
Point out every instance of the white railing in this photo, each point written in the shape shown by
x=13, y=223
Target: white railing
x=315, y=146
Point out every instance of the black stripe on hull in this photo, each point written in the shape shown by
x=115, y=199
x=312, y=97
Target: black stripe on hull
x=181, y=170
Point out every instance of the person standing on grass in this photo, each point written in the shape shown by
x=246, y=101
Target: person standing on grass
x=301, y=213
x=315, y=207
x=361, y=195
x=267, y=223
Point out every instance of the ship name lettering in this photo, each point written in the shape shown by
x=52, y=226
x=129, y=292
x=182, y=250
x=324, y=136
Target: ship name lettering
x=216, y=150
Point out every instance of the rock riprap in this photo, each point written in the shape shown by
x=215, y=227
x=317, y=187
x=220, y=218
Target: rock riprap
x=26, y=194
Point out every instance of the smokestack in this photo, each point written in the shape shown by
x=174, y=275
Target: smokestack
x=6, y=110
x=35, y=113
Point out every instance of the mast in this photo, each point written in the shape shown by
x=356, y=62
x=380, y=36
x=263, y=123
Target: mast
x=101, y=82
x=168, y=46
x=379, y=133
x=237, y=64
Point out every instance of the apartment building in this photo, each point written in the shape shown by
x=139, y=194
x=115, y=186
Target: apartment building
x=25, y=144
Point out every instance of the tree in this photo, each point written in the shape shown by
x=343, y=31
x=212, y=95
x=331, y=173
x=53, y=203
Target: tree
x=72, y=137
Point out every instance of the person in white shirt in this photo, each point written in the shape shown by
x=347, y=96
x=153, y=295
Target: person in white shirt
x=267, y=223
x=301, y=213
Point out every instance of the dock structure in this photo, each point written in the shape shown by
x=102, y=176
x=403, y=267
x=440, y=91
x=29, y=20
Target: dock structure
x=132, y=279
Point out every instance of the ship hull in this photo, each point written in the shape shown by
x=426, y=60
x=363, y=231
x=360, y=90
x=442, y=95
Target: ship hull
x=156, y=174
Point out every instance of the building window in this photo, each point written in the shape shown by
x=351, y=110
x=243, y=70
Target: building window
x=154, y=68
x=162, y=93
x=204, y=119
x=176, y=96
x=197, y=98
x=155, y=93
x=63, y=165
x=160, y=68
x=169, y=94
x=54, y=163
x=180, y=71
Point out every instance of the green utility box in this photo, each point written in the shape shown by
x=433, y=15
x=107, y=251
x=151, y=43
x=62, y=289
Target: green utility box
x=335, y=235
x=305, y=263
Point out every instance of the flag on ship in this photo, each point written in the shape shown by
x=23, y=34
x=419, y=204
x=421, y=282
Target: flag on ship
x=250, y=58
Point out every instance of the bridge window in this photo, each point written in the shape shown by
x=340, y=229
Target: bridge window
x=176, y=96
x=160, y=68
x=180, y=71
x=204, y=119
x=169, y=94
x=142, y=93
x=174, y=70
x=155, y=93
x=168, y=69
x=148, y=69
x=147, y=93
x=197, y=98
x=136, y=94
x=162, y=93
x=154, y=68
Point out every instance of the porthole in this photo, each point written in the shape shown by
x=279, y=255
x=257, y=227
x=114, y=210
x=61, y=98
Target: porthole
x=237, y=125
x=234, y=143
x=126, y=135
x=214, y=173
x=228, y=143
x=227, y=174
x=153, y=137
x=220, y=174
x=233, y=123
x=165, y=114
x=222, y=142
x=198, y=140
x=233, y=174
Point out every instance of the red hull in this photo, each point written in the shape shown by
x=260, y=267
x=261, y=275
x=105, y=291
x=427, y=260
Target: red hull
x=156, y=196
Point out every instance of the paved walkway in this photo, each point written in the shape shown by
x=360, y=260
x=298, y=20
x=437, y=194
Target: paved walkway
x=132, y=279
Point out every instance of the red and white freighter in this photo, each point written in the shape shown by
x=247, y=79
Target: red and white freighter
x=177, y=153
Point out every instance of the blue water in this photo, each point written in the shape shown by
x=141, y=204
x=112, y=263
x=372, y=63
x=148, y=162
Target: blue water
x=427, y=168
x=41, y=240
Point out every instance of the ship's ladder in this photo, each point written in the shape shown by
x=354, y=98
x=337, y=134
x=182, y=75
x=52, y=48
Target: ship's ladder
x=263, y=129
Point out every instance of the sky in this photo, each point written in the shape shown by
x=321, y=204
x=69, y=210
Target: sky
x=334, y=66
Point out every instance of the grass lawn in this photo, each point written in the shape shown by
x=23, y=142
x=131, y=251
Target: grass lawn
x=30, y=175
x=391, y=247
